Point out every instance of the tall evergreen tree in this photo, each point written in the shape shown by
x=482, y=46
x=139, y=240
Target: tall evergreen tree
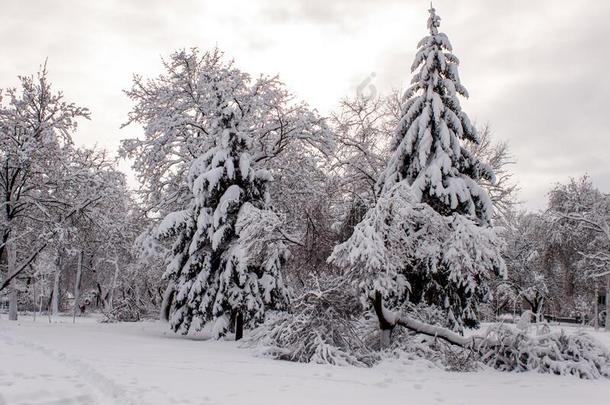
x=427, y=149
x=430, y=157
x=216, y=274
x=428, y=239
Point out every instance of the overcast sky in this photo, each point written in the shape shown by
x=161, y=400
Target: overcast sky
x=537, y=71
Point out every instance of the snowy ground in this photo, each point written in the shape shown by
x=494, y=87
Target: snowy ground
x=144, y=363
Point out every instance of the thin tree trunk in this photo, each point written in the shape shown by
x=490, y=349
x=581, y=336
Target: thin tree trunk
x=40, y=298
x=79, y=271
x=11, y=258
x=35, y=297
x=166, y=303
x=239, y=326
x=55, y=297
x=596, y=308
x=537, y=305
x=113, y=285
x=514, y=311
x=12, y=303
x=101, y=302
x=608, y=303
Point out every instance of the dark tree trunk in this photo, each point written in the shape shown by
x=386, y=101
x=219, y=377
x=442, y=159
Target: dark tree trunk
x=537, y=308
x=386, y=327
x=239, y=326
x=535, y=305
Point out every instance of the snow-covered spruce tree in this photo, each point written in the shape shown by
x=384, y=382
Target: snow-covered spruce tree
x=176, y=110
x=427, y=152
x=218, y=273
x=441, y=251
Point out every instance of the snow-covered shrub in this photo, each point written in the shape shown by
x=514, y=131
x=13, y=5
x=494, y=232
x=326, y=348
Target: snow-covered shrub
x=487, y=312
x=523, y=324
x=455, y=358
x=557, y=353
x=323, y=329
x=408, y=346
x=127, y=310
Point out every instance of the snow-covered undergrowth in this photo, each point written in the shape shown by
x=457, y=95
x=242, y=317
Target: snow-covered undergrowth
x=556, y=352
x=326, y=328
x=322, y=329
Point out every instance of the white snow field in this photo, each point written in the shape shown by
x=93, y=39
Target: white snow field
x=145, y=363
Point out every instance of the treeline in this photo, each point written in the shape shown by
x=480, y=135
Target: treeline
x=558, y=259
x=74, y=237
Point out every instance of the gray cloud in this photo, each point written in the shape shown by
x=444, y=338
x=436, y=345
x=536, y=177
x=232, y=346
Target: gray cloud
x=536, y=71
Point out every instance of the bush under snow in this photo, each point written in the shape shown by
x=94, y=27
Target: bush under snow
x=553, y=352
x=323, y=329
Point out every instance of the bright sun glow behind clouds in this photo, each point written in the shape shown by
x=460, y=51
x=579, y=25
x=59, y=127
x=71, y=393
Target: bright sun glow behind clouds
x=529, y=67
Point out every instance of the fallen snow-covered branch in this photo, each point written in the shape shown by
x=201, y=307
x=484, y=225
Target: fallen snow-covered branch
x=508, y=350
x=436, y=331
x=389, y=320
